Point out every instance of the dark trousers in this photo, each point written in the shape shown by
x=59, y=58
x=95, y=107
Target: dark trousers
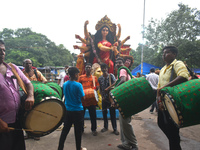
x=154, y=105
x=13, y=140
x=170, y=130
x=105, y=106
x=93, y=117
x=76, y=118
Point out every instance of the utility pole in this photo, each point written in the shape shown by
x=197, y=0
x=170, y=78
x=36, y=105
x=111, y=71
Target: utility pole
x=142, y=40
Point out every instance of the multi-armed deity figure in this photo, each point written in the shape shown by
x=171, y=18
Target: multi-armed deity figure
x=102, y=47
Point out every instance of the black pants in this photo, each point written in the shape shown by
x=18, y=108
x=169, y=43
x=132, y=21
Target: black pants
x=154, y=105
x=105, y=106
x=76, y=118
x=170, y=130
x=13, y=140
x=93, y=117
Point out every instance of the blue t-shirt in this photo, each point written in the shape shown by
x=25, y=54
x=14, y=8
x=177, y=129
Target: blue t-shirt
x=73, y=92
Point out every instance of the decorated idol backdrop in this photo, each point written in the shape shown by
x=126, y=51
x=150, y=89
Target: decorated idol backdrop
x=102, y=47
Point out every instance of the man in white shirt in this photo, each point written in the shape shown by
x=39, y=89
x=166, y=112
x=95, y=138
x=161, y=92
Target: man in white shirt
x=61, y=77
x=152, y=77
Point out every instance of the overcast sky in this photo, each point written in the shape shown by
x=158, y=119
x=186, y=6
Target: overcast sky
x=60, y=20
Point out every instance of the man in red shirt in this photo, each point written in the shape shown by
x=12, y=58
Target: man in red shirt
x=90, y=82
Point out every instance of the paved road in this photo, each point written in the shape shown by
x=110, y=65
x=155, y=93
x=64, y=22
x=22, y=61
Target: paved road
x=149, y=136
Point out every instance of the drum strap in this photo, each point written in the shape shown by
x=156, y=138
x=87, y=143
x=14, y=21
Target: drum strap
x=109, y=80
x=19, y=80
x=128, y=73
x=172, y=74
x=93, y=80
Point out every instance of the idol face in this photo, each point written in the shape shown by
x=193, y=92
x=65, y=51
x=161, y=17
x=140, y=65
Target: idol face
x=104, y=31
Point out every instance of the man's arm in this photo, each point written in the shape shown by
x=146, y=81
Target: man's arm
x=29, y=87
x=41, y=77
x=59, y=81
x=122, y=80
x=176, y=81
x=3, y=126
x=30, y=97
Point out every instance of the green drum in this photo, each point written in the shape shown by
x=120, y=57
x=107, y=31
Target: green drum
x=56, y=88
x=42, y=90
x=182, y=102
x=133, y=96
x=48, y=111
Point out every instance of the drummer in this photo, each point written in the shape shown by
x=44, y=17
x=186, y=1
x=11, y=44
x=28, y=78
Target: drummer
x=10, y=103
x=32, y=74
x=104, y=81
x=173, y=73
x=87, y=81
x=128, y=138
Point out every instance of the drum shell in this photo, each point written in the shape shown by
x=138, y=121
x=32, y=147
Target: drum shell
x=186, y=97
x=133, y=96
x=90, y=98
x=57, y=106
x=42, y=90
x=56, y=87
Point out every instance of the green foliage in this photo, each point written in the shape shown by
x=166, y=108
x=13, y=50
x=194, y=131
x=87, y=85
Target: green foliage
x=26, y=44
x=181, y=29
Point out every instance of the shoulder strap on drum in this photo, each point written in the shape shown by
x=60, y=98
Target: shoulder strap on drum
x=93, y=80
x=191, y=73
x=127, y=70
x=172, y=74
x=35, y=72
x=19, y=80
x=109, y=79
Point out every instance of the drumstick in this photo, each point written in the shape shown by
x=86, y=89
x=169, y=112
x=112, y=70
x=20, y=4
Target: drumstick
x=11, y=128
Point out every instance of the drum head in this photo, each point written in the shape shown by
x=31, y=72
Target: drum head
x=170, y=106
x=45, y=117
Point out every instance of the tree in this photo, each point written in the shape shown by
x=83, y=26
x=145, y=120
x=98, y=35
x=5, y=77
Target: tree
x=24, y=43
x=180, y=28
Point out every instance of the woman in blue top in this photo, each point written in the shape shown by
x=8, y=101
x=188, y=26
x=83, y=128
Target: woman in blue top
x=74, y=95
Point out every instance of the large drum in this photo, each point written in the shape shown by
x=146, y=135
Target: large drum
x=47, y=113
x=56, y=87
x=133, y=96
x=182, y=102
x=45, y=117
x=42, y=90
x=91, y=97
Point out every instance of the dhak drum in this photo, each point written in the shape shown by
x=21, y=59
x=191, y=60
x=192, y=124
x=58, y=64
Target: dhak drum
x=47, y=113
x=91, y=97
x=182, y=103
x=56, y=87
x=133, y=96
x=44, y=117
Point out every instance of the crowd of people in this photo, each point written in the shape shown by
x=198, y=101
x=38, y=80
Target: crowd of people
x=157, y=80
x=80, y=90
